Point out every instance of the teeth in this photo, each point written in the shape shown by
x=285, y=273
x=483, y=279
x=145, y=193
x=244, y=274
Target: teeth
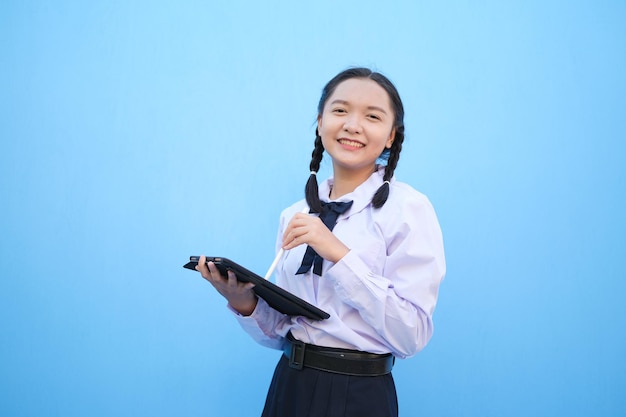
x=351, y=143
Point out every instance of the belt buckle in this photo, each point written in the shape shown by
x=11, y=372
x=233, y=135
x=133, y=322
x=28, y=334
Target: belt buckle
x=296, y=358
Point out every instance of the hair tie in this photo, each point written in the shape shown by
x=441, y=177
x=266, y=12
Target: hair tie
x=386, y=182
x=313, y=173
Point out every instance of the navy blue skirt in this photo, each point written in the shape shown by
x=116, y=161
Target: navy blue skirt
x=312, y=393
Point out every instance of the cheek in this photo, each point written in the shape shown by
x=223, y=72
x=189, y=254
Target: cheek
x=383, y=137
x=325, y=140
x=326, y=130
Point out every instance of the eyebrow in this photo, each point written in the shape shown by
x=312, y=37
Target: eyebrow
x=339, y=101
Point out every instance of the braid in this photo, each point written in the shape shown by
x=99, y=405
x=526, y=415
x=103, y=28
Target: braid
x=311, y=190
x=381, y=195
x=394, y=157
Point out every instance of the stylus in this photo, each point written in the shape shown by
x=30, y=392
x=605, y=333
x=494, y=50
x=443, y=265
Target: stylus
x=279, y=255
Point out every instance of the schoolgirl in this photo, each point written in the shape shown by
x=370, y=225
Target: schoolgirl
x=370, y=253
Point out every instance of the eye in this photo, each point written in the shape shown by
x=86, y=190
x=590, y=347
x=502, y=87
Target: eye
x=339, y=110
x=374, y=116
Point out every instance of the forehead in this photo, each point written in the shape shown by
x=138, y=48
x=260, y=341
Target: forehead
x=361, y=91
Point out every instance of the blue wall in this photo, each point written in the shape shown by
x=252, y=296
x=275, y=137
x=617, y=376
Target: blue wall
x=134, y=134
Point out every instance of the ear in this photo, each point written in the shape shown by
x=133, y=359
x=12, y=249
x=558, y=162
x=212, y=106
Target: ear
x=392, y=137
x=319, y=121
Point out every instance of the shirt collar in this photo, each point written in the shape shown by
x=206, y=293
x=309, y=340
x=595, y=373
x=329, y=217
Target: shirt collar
x=362, y=195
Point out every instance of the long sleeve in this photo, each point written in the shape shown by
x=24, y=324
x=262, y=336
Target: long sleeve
x=261, y=325
x=398, y=300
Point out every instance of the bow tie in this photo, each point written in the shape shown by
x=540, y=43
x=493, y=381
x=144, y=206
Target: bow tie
x=328, y=216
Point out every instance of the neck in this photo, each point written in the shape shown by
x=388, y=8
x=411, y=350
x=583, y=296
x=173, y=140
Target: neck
x=346, y=181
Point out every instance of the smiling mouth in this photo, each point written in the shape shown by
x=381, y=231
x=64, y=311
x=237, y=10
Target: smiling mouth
x=351, y=143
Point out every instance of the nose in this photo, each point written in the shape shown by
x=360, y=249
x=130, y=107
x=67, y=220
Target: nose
x=353, y=124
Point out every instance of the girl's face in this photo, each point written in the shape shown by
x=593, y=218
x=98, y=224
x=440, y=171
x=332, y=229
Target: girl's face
x=356, y=125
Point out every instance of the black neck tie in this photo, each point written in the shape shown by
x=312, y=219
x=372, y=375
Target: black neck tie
x=329, y=214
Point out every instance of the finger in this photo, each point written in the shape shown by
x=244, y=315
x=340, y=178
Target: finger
x=232, y=279
x=300, y=220
x=201, y=262
x=296, y=237
x=215, y=273
x=202, y=267
x=288, y=240
x=295, y=231
x=294, y=242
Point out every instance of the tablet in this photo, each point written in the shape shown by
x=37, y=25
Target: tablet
x=277, y=297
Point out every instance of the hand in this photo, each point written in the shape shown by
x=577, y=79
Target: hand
x=239, y=294
x=307, y=229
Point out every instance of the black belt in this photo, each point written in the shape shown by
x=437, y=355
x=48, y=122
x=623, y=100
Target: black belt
x=339, y=361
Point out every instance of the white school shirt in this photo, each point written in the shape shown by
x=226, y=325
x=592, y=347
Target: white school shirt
x=382, y=294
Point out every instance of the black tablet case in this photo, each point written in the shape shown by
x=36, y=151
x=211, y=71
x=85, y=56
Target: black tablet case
x=275, y=296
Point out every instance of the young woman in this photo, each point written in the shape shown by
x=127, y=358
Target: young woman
x=369, y=253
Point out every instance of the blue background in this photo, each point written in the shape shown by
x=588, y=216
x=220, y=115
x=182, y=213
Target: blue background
x=137, y=133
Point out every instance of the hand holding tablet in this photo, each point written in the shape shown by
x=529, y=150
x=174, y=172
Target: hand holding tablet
x=278, y=298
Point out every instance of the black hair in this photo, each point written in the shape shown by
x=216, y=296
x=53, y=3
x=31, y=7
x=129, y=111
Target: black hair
x=391, y=155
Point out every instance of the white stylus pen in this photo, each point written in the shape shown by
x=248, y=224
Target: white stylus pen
x=279, y=255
